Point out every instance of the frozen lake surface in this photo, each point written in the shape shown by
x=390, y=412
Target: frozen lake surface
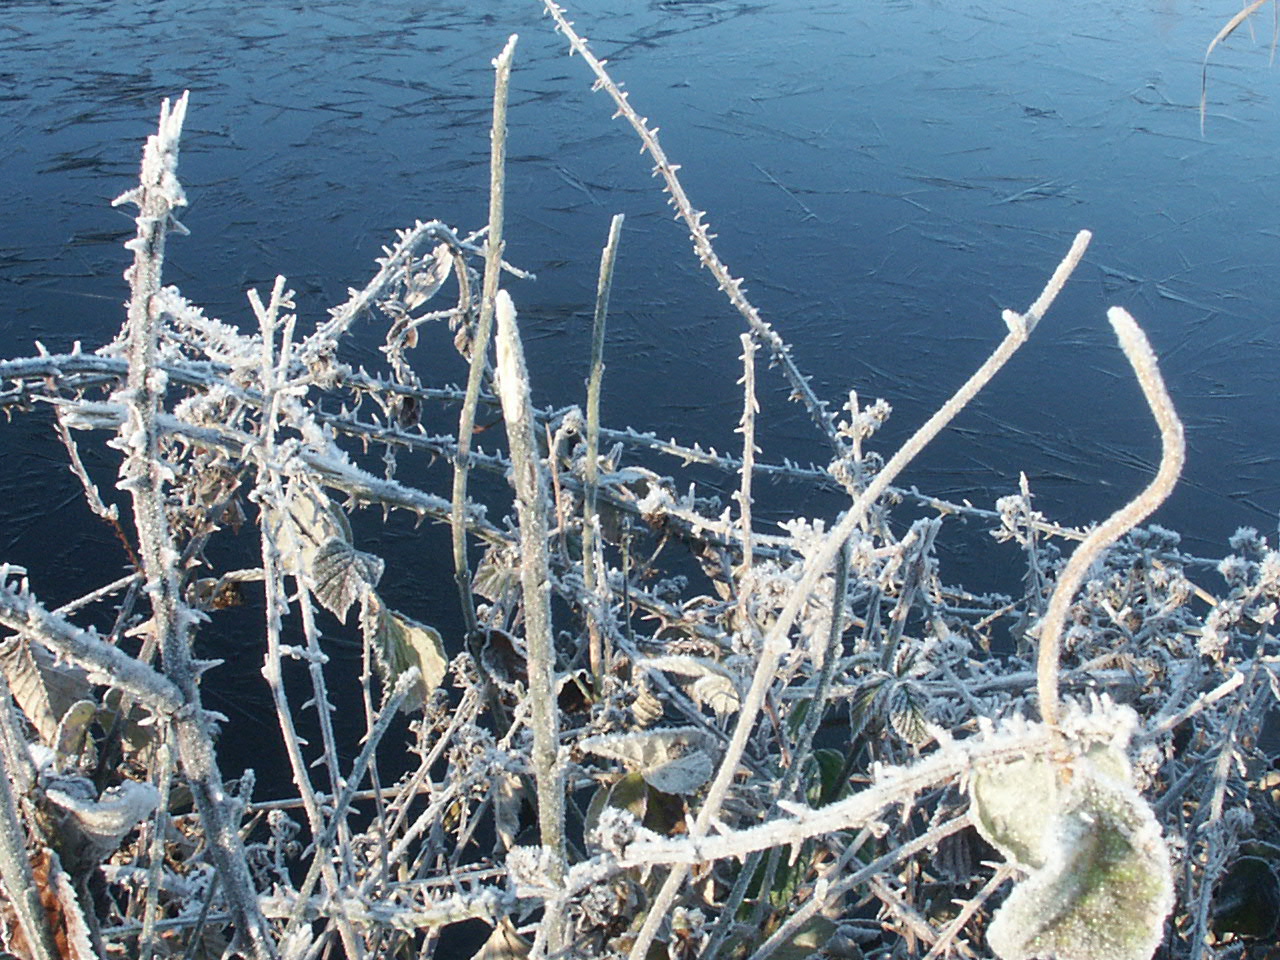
x=886, y=175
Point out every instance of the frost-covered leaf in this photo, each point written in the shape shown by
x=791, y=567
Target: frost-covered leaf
x=718, y=693
x=676, y=761
x=310, y=521
x=103, y=819
x=1106, y=884
x=1013, y=801
x=497, y=574
x=341, y=575
x=713, y=684
x=680, y=775
x=868, y=702
x=45, y=690
x=400, y=643
x=425, y=281
x=686, y=666
x=508, y=795
x=906, y=714
x=73, y=733
x=647, y=708
x=1010, y=804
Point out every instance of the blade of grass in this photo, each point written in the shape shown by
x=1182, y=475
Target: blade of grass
x=1228, y=28
x=480, y=345
x=591, y=520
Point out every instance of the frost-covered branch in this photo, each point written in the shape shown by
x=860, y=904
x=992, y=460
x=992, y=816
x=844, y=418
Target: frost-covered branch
x=1138, y=351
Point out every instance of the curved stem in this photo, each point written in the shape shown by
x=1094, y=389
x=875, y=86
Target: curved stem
x=1137, y=349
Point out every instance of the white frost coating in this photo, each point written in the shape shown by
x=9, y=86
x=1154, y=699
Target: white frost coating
x=1101, y=882
x=511, y=372
x=1106, y=888
x=105, y=819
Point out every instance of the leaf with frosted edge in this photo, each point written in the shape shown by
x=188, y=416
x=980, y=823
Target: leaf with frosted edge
x=308, y=522
x=718, y=693
x=713, y=686
x=906, y=715
x=399, y=643
x=675, y=761
x=1106, y=887
x=340, y=575
x=685, y=666
x=1011, y=803
x=497, y=574
x=42, y=687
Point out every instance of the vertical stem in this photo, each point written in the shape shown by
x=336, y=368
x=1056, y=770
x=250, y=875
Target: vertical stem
x=531, y=506
x=480, y=345
x=143, y=475
x=148, y=941
x=590, y=525
x=273, y=374
x=747, y=427
x=15, y=866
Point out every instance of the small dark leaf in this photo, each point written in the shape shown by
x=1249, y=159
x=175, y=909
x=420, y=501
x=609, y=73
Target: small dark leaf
x=906, y=714
x=502, y=659
x=341, y=575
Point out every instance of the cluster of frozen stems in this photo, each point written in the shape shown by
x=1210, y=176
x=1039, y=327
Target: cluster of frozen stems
x=664, y=730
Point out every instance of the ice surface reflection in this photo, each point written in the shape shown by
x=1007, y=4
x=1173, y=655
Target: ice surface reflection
x=886, y=175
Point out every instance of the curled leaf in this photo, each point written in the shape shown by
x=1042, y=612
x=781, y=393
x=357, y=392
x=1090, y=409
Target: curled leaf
x=1010, y=801
x=1102, y=884
x=399, y=643
x=43, y=688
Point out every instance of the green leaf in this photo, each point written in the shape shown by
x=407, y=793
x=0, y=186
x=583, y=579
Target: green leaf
x=400, y=643
x=827, y=786
x=1248, y=900
x=1106, y=884
x=340, y=575
x=630, y=793
x=1012, y=803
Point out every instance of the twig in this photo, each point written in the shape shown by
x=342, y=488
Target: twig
x=699, y=233
x=15, y=868
x=1173, y=450
x=480, y=344
x=143, y=476
x=591, y=469
x=747, y=427
x=531, y=505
